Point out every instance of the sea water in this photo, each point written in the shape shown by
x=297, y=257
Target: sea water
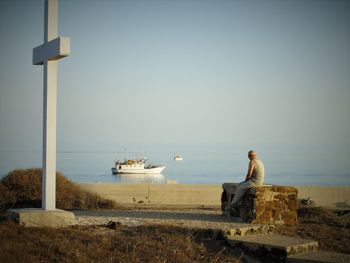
x=201, y=164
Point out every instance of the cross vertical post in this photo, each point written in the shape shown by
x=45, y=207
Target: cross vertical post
x=47, y=54
x=49, y=116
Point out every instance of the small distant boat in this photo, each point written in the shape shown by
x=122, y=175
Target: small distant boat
x=136, y=166
x=178, y=158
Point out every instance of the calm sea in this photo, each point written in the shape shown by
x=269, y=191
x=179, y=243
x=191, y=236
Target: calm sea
x=202, y=164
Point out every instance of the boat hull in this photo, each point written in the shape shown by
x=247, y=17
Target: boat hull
x=155, y=170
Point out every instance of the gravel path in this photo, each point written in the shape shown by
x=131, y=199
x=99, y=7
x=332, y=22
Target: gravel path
x=196, y=218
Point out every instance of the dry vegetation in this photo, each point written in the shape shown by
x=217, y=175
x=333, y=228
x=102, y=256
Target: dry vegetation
x=154, y=243
x=22, y=188
x=332, y=231
x=147, y=243
x=100, y=244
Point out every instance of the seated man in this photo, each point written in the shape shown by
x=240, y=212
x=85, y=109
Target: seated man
x=255, y=177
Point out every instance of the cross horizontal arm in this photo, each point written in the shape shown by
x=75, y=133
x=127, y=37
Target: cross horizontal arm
x=52, y=50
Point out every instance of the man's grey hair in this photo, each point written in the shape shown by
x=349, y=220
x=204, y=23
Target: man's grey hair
x=251, y=152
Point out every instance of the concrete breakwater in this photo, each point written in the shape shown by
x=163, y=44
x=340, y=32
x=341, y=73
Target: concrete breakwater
x=337, y=197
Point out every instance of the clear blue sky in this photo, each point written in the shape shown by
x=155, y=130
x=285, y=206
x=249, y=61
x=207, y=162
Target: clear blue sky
x=271, y=72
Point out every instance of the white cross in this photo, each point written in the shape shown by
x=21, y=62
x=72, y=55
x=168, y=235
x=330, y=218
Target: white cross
x=47, y=54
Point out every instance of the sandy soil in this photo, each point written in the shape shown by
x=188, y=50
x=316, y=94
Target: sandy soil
x=332, y=231
x=191, y=218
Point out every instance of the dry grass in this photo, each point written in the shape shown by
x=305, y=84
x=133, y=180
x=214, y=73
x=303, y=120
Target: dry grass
x=330, y=230
x=155, y=243
x=22, y=188
x=98, y=244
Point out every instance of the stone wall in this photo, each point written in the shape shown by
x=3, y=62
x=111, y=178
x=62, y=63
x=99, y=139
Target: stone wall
x=268, y=204
x=204, y=195
x=159, y=194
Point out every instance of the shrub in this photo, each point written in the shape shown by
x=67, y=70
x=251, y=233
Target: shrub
x=22, y=188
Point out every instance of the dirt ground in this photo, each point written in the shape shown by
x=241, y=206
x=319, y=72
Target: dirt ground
x=115, y=243
x=331, y=229
x=145, y=235
x=155, y=242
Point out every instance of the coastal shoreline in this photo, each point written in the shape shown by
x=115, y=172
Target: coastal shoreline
x=208, y=195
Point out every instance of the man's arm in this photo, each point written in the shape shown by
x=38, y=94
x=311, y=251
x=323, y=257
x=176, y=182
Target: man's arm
x=250, y=170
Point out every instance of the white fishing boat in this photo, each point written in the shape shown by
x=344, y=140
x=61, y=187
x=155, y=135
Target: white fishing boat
x=178, y=158
x=136, y=166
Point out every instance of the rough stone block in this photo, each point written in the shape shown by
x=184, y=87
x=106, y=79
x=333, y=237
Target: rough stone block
x=41, y=218
x=287, y=245
x=267, y=204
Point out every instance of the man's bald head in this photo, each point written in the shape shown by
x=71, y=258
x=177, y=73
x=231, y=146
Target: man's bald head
x=252, y=155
